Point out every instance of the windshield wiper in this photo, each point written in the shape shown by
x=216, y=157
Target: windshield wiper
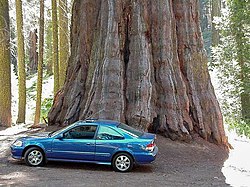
x=51, y=133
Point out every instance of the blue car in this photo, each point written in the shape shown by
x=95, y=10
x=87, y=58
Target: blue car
x=92, y=141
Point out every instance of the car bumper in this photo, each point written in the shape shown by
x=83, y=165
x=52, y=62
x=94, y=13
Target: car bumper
x=16, y=152
x=146, y=157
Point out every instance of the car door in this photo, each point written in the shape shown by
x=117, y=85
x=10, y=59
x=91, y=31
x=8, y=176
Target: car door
x=108, y=141
x=77, y=143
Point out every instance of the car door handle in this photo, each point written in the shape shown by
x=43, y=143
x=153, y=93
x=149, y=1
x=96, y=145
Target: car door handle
x=89, y=144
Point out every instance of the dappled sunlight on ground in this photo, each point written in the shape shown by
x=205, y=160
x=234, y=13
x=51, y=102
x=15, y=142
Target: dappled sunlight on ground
x=237, y=167
x=13, y=177
x=8, y=135
x=19, y=178
x=16, y=129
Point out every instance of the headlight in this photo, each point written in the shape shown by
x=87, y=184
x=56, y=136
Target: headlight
x=18, y=143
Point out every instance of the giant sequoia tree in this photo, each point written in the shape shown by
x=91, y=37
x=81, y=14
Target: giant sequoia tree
x=141, y=62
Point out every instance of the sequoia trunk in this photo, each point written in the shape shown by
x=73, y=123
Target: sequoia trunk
x=143, y=63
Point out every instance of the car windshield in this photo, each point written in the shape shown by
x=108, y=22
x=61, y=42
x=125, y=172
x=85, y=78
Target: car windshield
x=130, y=130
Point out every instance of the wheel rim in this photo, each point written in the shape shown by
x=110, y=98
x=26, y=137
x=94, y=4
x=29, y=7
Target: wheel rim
x=35, y=157
x=122, y=163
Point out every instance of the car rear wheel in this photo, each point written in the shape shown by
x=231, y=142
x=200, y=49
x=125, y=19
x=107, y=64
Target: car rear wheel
x=34, y=157
x=122, y=162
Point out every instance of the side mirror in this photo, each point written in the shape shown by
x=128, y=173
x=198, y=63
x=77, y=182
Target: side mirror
x=60, y=136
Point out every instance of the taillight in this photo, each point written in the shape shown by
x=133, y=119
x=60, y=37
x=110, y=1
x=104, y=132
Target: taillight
x=150, y=147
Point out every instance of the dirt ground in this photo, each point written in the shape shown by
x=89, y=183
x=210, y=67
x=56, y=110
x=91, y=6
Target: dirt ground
x=177, y=164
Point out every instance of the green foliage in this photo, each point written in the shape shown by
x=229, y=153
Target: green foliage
x=232, y=64
x=46, y=106
x=242, y=126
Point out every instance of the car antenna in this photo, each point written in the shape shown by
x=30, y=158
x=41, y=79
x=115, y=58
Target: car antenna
x=89, y=117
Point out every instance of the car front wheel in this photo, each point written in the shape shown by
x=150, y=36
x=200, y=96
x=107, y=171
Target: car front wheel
x=122, y=162
x=34, y=157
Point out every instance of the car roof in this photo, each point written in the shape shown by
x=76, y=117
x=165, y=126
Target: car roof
x=100, y=122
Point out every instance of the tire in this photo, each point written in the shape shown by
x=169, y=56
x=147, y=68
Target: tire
x=34, y=156
x=122, y=162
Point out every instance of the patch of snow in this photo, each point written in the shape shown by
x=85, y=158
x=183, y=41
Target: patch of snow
x=16, y=129
x=14, y=94
x=47, y=92
x=236, y=168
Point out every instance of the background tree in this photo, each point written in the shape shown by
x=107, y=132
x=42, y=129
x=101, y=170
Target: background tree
x=232, y=62
x=205, y=20
x=5, y=72
x=33, y=54
x=55, y=45
x=142, y=63
x=30, y=7
x=216, y=12
x=21, y=64
x=48, y=48
x=63, y=40
x=240, y=28
x=210, y=12
x=40, y=64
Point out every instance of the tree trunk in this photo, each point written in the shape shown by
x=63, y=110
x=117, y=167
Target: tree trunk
x=40, y=65
x=21, y=64
x=216, y=12
x=5, y=72
x=55, y=45
x=205, y=24
x=48, y=48
x=33, y=54
x=63, y=40
x=142, y=63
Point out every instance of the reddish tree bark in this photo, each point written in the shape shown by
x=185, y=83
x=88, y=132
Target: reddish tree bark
x=140, y=62
x=33, y=54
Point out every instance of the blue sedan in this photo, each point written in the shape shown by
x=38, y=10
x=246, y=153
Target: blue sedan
x=92, y=141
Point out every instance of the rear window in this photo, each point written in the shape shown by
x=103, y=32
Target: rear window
x=130, y=130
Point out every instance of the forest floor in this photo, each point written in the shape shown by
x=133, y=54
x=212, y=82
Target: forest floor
x=177, y=164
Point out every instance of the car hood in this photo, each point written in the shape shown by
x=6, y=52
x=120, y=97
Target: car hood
x=36, y=136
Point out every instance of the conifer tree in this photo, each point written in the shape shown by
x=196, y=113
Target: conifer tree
x=240, y=29
x=21, y=64
x=40, y=64
x=5, y=71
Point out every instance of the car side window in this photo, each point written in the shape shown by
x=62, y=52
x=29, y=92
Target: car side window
x=81, y=132
x=106, y=133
